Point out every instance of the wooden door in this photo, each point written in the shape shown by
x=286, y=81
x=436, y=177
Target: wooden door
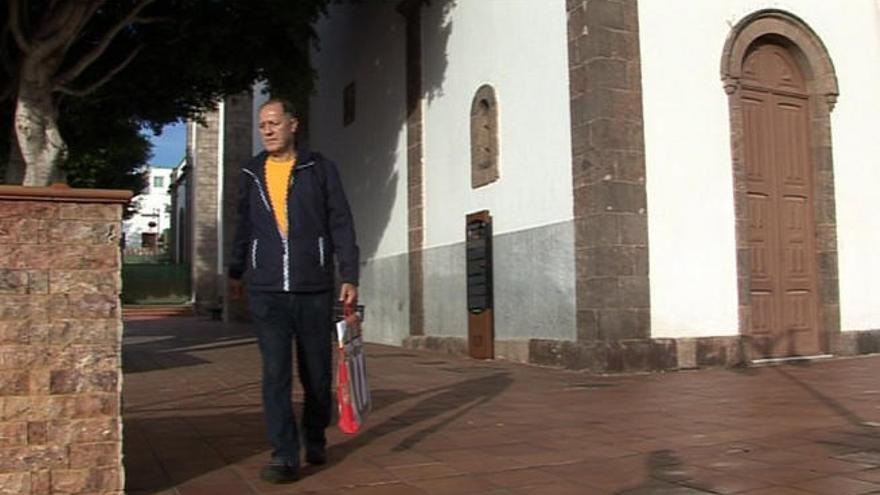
x=781, y=228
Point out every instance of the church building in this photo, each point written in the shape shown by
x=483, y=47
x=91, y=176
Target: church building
x=609, y=185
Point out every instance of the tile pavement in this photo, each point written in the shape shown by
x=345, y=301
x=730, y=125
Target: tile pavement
x=446, y=425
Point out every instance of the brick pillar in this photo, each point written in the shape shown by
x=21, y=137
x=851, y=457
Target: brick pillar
x=203, y=212
x=608, y=165
x=411, y=10
x=60, y=340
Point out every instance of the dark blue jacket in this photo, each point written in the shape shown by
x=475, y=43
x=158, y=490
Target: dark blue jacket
x=319, y=226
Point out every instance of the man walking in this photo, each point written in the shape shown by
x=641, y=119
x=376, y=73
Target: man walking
x=293, y=219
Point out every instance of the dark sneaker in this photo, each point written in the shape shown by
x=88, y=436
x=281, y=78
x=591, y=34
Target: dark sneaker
x=280, y=471
x=316, y=455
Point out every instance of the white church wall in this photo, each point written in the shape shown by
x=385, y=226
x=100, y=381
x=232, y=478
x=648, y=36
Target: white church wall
x=520, y=49
x=688, y=158
x=365, y=44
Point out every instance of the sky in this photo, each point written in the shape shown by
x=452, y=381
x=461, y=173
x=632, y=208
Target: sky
x=169, y=147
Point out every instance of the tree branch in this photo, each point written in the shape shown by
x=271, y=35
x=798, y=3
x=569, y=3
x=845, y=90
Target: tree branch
x=107, y=77
x=5, y=60
x=15, y=26
x=91, y=8
x=151, y=20
x=89, y=58
x=60, y=27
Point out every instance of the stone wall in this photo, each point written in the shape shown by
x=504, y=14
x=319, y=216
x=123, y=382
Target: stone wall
x=60, y=341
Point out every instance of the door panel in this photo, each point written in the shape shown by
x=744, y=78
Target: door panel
x=781, y=235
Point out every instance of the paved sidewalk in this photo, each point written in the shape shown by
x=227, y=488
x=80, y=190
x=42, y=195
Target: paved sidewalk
x=448, y=425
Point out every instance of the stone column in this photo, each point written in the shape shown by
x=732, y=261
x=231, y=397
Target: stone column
x=610, y=199
x=203, y=189
x=412, y=11
x=608, y=166
x=238, y=130
x=60, y=340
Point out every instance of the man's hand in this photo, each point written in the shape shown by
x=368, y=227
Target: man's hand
x=348, y=294
x=236, y=288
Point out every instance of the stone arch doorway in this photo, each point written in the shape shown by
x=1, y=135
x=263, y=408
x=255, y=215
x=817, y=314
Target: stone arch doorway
x=782, y=88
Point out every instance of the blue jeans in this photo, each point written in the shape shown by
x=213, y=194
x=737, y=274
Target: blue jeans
x=307, y=318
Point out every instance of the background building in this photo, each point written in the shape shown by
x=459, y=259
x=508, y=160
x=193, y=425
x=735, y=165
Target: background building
x=152, y=217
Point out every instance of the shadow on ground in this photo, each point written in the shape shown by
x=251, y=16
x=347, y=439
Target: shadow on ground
x=148, y=345
x=173, y=438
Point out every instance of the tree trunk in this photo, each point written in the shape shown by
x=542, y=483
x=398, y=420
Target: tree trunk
x=41, y=144
x=15, y=166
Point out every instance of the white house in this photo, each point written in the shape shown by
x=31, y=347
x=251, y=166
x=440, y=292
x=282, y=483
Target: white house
x=145, y=227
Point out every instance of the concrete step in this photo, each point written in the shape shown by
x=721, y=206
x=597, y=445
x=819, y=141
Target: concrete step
x=150, y=311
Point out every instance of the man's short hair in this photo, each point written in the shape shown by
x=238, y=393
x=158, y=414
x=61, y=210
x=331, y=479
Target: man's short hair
x=286, y=105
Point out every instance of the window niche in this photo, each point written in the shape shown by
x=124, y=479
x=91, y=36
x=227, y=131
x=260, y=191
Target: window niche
x=484, y=137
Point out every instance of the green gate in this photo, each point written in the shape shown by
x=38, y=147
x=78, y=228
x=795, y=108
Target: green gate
x=155, y=283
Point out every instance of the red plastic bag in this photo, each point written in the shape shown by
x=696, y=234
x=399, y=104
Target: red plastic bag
x=352, y=388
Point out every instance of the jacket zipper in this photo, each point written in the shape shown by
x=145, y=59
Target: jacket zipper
x=285, y=259
x=286, y=256
x=321, y=250
x=254, y=252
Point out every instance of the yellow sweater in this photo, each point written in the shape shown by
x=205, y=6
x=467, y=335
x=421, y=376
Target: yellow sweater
x=277, y=178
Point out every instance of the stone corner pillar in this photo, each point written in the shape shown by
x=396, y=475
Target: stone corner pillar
x=60, y=340
x=608, y=170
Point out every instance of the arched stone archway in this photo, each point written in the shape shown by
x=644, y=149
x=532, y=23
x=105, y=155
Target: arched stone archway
x=806, y=49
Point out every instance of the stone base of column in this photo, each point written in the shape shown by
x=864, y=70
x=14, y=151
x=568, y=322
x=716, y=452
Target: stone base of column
x=636, y=355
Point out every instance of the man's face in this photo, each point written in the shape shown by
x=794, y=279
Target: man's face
x=276, y=128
